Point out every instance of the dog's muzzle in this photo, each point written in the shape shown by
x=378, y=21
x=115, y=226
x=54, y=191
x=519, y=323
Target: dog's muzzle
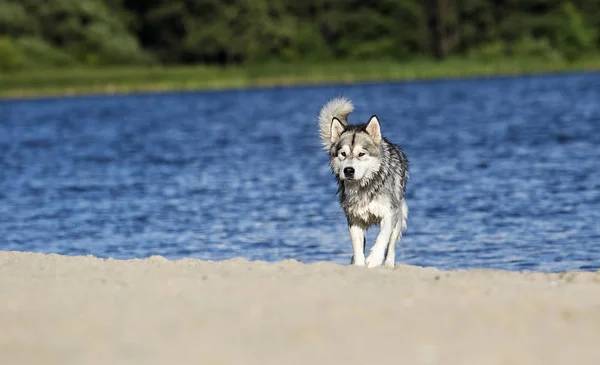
x=349, y=172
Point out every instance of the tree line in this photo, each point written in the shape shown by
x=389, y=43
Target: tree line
x=54, y=33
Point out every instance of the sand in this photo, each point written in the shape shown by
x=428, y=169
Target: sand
x=84, y=310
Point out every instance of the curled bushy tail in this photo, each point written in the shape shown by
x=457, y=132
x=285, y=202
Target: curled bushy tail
x=339, y=108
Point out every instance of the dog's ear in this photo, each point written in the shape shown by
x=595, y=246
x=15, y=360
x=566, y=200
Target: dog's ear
x=337, y=128
x=373, y=129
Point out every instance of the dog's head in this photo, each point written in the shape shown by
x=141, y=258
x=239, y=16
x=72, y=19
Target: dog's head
x=355, y=150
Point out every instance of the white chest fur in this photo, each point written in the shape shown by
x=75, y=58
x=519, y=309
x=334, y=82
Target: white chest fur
x=371, y=211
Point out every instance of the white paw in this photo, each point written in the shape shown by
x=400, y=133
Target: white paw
x=359, y=262
x=390, y=262
x=375, y=258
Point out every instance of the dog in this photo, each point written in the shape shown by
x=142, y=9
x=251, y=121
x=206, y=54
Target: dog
x=372, y=174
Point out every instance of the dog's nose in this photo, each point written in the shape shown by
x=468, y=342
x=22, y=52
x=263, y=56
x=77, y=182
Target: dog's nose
x=349, y=172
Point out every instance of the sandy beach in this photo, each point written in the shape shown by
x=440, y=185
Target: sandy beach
x=84, y=310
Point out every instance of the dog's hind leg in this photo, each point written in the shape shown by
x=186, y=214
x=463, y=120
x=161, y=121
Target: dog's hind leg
x=390, y=257
x=357, y=236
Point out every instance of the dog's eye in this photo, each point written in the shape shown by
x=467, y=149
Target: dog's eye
x=361, y=154
x=343, y=154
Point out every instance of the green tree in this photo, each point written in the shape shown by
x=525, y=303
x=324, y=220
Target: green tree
x=10, y=56
x=87, y=29
x=15, y=20
x=571, y=35
x=102, y=32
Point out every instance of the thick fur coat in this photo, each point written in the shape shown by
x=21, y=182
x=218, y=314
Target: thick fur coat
x=372, y=176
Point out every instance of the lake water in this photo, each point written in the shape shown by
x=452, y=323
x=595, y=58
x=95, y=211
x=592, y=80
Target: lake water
x=505, y=173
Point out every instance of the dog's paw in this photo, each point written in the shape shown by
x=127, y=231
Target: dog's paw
x=390, y=262
x=375, y=259
x=358, y=262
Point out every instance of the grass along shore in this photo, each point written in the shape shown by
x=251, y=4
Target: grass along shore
x=120, y=80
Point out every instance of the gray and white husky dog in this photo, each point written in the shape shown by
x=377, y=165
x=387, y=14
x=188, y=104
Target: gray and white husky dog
x=372, y=174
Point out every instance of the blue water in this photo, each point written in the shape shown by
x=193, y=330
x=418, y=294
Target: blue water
x=504, y=173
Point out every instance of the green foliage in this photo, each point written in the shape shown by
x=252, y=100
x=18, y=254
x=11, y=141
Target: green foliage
x=526, y=47
x=572, y=36
x=31, y=53
x=15, y=20
x=39, y=53
x=307, y=44
x=478, y=28
x=87, y=30
x=489, y=51
x=10, y=57
x=388, y=31
x=120, y=32
x=540, y=48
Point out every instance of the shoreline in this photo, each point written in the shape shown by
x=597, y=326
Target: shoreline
x=400, y=266
x=149, y=80
x=59, y=309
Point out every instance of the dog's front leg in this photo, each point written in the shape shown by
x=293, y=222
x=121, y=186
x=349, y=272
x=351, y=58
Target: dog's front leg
x=381, y=243
x=357, y=236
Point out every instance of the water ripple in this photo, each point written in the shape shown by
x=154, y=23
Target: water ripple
x=503, y=173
